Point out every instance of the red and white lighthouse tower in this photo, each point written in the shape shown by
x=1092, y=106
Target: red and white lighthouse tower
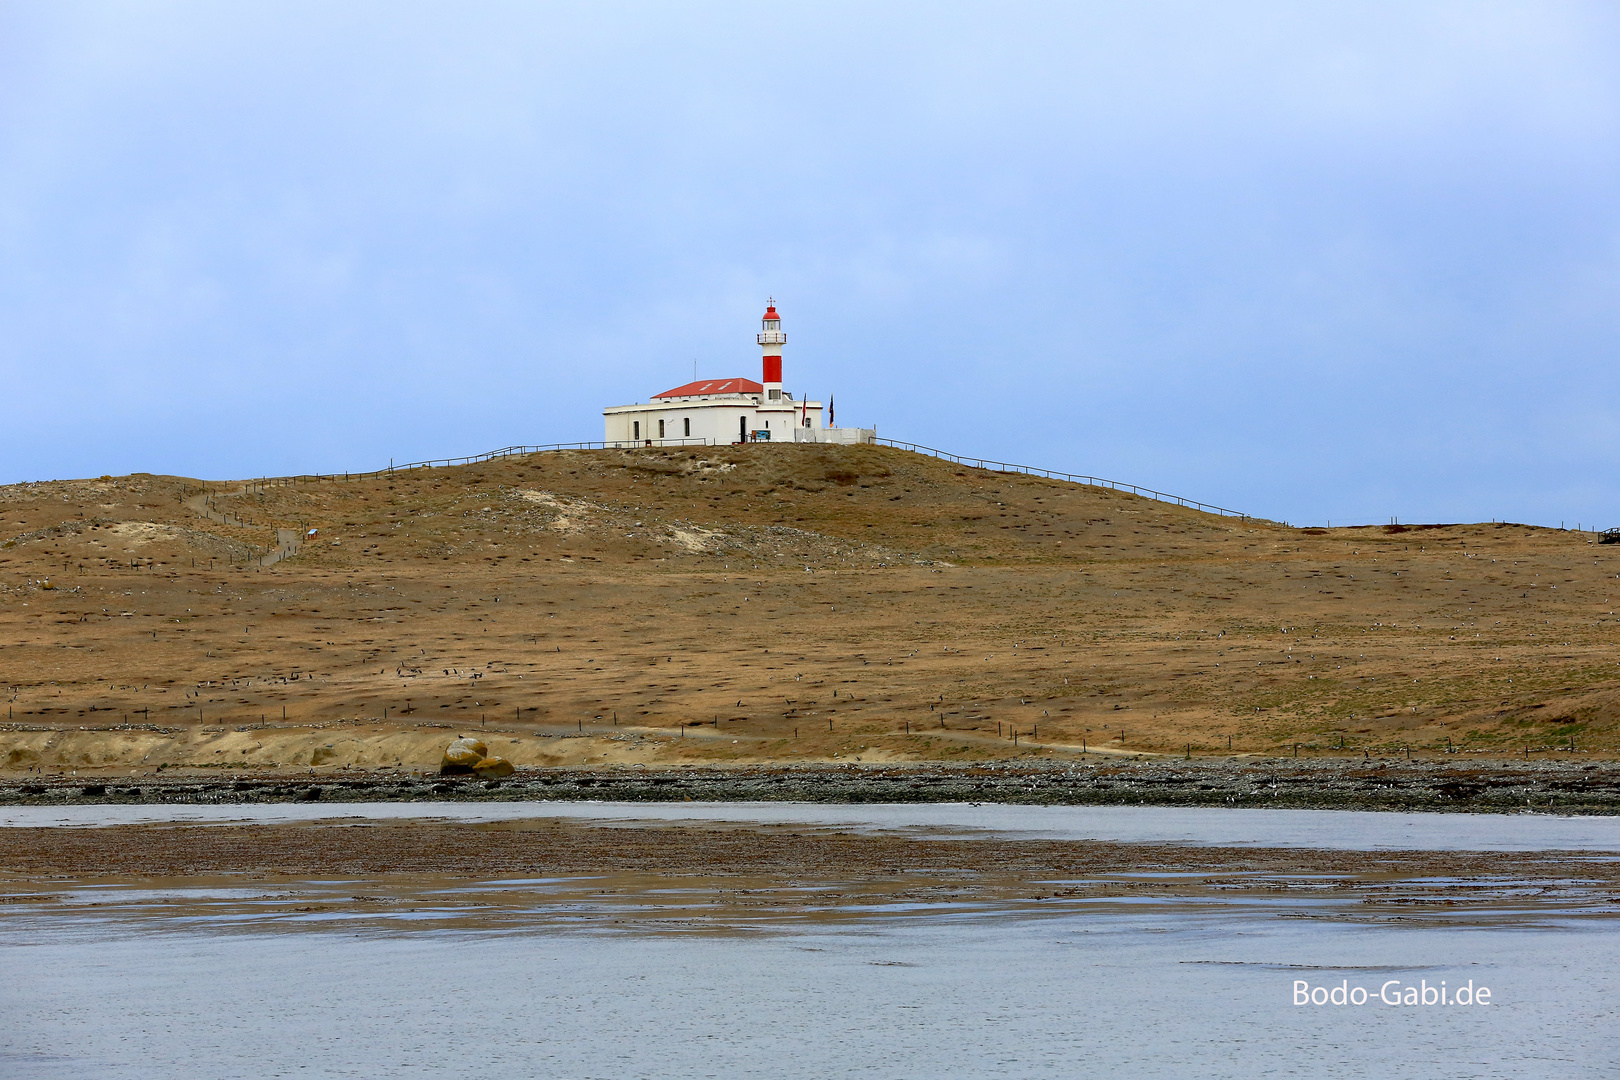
x=771, y=339
x=715, y=412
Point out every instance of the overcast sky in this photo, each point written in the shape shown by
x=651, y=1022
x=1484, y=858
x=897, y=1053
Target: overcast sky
x=1310, y=261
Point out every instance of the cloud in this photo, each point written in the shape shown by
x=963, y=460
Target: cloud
x=1318, y=261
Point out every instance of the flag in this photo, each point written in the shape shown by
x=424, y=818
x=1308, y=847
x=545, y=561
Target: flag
x=830, y=412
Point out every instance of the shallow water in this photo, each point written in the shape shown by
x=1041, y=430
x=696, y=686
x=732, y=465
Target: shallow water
x=649, y=975
x=1167, y=995
x=1330, y=829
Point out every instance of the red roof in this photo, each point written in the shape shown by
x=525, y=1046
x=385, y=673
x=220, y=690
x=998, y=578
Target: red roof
x=714, y=386
x=770, y=312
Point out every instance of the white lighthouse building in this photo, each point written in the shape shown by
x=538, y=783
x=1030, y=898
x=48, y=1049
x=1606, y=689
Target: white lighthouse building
x=715, y=411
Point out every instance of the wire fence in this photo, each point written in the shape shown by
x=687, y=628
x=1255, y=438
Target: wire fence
x=916, y=448
x=1054, y=474
x=474, y=459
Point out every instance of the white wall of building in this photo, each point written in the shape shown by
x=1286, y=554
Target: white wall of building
x=714, y=421
x=844, y=436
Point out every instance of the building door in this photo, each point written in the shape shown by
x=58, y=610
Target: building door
x=636, y=424
x=742, y=429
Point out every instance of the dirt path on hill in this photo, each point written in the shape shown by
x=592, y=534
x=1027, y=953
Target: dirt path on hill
x=287, y=540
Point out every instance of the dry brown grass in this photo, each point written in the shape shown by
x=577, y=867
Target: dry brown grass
x=922, y=609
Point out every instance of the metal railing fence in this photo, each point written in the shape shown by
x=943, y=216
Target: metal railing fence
x=916, y=448
x=473, y=459
x=1054, y=474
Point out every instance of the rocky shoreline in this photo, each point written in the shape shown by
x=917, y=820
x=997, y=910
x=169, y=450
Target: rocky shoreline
x=1560, y=787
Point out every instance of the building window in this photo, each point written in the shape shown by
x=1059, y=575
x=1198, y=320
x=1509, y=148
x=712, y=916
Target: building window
x=660, y=429
x=636, y=426
x=806, y=419
x=687, y=426
x=776, y=395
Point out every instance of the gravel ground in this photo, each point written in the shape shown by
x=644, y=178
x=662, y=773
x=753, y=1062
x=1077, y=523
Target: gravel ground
x=1571, y=787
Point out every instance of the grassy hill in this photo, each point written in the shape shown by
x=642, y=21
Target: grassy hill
x=768, y=603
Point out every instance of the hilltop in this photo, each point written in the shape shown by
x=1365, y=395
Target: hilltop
x=768, y=603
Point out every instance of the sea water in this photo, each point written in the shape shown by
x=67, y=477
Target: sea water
x=1331, y=829
x=1129, y=988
